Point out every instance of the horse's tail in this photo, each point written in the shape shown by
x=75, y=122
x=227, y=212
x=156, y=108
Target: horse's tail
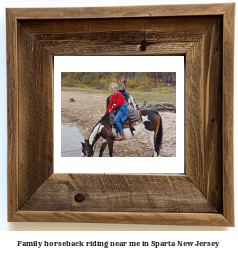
x=159, y=135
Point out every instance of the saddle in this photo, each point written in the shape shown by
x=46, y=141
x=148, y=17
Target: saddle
x=133, y=118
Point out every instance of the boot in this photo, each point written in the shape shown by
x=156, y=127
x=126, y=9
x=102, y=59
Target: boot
x=119, y=138
x=122, y=136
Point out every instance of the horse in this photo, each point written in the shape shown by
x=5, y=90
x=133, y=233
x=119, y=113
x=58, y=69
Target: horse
x=151, y=124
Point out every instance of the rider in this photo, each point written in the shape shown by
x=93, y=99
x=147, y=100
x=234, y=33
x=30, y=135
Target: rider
x=118, y=102
x=123, y=89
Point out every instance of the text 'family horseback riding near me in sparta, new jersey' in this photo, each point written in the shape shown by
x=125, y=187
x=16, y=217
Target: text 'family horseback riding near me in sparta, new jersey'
x=107, y=244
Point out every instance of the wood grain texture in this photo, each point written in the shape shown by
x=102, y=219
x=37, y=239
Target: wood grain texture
x=137, y=193
x=192, y=219
x=204, y=114
x=12, y=114
x=35, y=111
x=227, y=113
x=119, y=36
x=71, y=48
x=204, y=196
x=120, y=11
x=177, y=25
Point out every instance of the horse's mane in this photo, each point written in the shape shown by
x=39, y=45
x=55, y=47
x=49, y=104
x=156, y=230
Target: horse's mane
x=95, y=126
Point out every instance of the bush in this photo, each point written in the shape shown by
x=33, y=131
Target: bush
x=102, y=80
x=161, y=84
x=151, y=108
x=82, y=85
x=143, y=83
x=106, y=87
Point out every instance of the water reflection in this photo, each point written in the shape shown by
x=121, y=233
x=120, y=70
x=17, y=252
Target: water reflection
x=71, y=140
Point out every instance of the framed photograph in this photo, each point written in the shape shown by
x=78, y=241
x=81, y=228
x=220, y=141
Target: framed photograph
x=125, y=190
x=80, y=104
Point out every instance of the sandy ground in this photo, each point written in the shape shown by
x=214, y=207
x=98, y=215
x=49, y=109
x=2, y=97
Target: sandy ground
x=80, y=114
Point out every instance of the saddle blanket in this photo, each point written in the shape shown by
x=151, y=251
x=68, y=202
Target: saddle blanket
x=133, y=118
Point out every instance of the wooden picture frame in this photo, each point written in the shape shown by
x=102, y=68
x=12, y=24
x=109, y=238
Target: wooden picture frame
x=204, y=34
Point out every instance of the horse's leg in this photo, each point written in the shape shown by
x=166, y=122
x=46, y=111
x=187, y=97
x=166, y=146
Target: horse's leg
x=150, y=130
x=152, y=141
x=153, y=127
x=103, y=146
x=158, y=137
x=110, y=145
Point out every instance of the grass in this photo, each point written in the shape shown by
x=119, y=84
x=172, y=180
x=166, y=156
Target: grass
x=152, y=108
x=154, y=96
x=84, y=90
x=165, y=95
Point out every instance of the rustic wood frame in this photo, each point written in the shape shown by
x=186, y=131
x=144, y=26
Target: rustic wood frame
x=202, y=33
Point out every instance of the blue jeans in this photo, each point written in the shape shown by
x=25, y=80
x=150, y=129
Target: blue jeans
x=124, y=93
x=122, y=113
x=117, y=122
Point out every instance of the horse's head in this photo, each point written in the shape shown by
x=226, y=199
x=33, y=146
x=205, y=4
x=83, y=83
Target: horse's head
x=87, y=149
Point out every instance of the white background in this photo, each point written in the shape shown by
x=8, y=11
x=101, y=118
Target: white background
x=8, y=239
x=119, y=64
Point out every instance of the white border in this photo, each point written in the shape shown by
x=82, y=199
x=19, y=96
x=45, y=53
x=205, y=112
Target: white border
x=119, y=64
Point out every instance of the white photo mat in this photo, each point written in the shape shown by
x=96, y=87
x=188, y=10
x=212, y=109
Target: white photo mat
x=155, y=165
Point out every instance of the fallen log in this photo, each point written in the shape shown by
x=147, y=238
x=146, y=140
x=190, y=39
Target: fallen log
x=162, y=106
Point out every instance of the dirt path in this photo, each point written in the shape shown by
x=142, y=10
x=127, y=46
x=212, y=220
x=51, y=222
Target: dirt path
x=88, y=110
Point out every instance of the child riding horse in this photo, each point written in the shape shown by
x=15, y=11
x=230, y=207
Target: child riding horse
x=123, y=90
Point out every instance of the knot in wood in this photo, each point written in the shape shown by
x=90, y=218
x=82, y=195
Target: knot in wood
x=79, y=198
x=143, y=45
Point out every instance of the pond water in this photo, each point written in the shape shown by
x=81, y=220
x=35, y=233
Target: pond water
x=71, y=140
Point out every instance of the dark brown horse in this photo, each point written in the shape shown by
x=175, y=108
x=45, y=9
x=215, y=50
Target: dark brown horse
x=151, y=125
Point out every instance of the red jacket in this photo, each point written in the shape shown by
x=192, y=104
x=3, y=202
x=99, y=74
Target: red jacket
x=117, y=99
